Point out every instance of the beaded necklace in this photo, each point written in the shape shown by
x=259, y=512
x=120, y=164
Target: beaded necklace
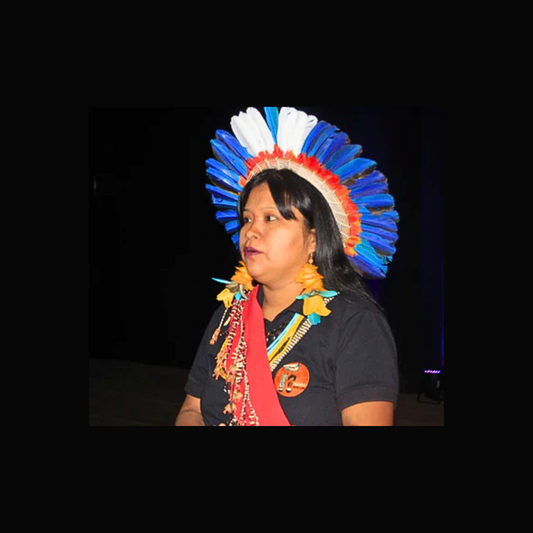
x=295, y=331
x=291, y=335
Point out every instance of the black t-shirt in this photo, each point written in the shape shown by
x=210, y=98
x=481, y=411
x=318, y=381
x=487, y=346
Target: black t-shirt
x=349, y=358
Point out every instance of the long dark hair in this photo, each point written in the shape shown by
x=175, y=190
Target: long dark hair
x=290, y=190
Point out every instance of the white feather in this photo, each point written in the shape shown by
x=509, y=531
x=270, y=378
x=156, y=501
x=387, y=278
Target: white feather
x=244, y=133
x=266, y=140
x=287, y=118
x=304, y=126
x=294, y=128
x=253, y=132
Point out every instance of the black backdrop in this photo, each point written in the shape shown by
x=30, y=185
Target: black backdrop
x=155, y=243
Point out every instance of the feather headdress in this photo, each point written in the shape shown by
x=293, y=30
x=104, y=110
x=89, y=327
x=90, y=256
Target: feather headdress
x=357, y=193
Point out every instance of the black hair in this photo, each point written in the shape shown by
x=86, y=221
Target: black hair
x=290, y=190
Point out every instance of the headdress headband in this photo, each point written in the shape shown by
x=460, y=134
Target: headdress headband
x=290, y=139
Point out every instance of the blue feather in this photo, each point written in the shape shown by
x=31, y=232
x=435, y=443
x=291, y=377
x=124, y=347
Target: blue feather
x=226, y=216
x=369, y=261
x=332, y=146
x=228, y=158
x=272, y=117
x=375, y=182
x=370, y=189
x=391, y=215
x=233, y=144
x=365, y=249
x=223, y=204
x=381, y=246
x=222, y=180
x=328, y=294
x=221, y=193
x=314, y=319
x=390, y=236
x=372, y=270
x=235, y=238
x=222, y=198
x=224, y=281
x=375, y=177
x=379, y=222
x=232, y=226
x=356, y=168
x=327, y=133
x=217, y=165
x=317, y=130
x=377, y=201
x=343, y=156
x=388, y=217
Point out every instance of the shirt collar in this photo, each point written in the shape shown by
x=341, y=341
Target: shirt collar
x=296, y=307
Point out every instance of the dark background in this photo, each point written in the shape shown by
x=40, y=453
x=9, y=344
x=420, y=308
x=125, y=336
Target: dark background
x=155, y=243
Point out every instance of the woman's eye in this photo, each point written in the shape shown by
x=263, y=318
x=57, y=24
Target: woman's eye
x=271, y=218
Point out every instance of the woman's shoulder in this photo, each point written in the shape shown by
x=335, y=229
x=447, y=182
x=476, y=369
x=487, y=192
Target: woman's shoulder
x=352, y=310
x=356, y=314
x=352, y=304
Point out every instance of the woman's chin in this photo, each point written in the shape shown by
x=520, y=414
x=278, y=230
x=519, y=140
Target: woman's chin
x=256, y=273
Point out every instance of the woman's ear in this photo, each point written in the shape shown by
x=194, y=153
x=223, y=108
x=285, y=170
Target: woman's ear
x=312, y=241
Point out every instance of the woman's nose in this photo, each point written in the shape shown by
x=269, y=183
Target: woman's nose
x=253, y=230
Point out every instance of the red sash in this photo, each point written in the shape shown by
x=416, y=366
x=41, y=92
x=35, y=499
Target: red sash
x=263, y=396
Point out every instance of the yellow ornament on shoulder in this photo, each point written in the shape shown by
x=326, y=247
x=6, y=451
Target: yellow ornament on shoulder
x=240, y=282
x=226, y=296
x=315, y=305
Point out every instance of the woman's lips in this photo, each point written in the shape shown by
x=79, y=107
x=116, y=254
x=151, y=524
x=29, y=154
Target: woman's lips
x=251, y=252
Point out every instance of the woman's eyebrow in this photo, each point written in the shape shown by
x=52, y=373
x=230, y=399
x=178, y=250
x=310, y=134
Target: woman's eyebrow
x=262, y=209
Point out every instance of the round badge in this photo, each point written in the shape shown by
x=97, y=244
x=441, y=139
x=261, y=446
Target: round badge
x=291, y=380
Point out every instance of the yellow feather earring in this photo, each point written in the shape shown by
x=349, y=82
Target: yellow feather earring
x=314, y=292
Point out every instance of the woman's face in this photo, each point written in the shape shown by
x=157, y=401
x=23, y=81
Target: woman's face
x=274, y=249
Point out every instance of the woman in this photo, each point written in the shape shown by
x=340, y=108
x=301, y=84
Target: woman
x=299, y=341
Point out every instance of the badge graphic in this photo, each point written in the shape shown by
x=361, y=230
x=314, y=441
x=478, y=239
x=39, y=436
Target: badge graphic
x=291, y=380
